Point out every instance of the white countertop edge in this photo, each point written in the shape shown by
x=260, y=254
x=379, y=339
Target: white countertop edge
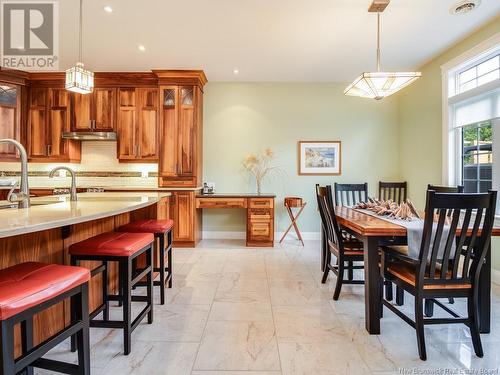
x=59, y=223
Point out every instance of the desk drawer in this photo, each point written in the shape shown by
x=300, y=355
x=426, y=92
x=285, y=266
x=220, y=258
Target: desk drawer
x=261, y=203
x=259, y=230
x=221, y=202
x=260, y=217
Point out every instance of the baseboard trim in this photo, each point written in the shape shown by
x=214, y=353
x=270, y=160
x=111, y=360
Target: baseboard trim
x=228, y=235
x=495, y=276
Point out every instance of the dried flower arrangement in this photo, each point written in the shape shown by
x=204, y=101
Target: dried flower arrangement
x=404, y=211
x=260, y=166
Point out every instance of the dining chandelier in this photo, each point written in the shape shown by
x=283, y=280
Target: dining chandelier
x=78, y=79
x=379, y=84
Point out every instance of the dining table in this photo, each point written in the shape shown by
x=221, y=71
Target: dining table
x=375, y=232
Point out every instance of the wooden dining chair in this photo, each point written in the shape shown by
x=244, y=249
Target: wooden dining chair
x=446, y=189
x=441, y=272
x=350, y=194
x=395, y=191
x=346, y=252
x=429, y=306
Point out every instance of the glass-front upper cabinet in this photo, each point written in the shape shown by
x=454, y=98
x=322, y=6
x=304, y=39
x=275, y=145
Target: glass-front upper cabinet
x=187, y=94
x=9, y=118
x=169, y=97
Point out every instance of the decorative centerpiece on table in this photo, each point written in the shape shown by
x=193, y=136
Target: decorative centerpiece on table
x=260, y=166
x=404, y=211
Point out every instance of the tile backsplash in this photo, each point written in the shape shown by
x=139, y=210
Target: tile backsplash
x=99, y=167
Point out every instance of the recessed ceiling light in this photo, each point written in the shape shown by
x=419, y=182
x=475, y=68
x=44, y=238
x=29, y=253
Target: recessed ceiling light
x=236, y=71
x=141, y=48
x=465, y=6
x=108, y=9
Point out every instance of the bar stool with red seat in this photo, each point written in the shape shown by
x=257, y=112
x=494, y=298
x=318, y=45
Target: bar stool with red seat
x=29, y=288
x=162, y=230
x=123, y=248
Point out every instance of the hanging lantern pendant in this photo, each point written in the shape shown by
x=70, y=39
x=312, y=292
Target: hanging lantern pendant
x=78, y=79
x=377, y=85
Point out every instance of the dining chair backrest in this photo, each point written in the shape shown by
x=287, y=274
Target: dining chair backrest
x=446, y=189
x=328, y=219
x=468, y=228
x=395, y=191
x=350, y=194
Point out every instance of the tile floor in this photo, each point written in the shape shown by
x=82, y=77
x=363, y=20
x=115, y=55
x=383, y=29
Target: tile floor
x=242, y=311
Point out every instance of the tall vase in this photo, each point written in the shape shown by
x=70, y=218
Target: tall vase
x=259, y=184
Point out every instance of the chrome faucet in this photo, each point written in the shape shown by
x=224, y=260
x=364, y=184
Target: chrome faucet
x=23, y=197
x=72, y=194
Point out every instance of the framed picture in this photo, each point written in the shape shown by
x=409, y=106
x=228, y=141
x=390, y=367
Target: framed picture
x=319, y=158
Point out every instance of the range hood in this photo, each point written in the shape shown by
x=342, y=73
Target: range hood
x=90, y=136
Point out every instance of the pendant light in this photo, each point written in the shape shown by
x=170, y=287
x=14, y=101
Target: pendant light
x=379, y=84
x=77, y=78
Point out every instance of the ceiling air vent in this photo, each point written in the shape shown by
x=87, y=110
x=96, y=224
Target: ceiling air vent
x=465, y=6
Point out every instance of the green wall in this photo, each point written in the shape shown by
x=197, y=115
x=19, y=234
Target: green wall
x=243, y=118
x=420, y=119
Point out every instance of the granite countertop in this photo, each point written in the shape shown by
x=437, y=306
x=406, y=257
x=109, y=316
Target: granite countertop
x=57, y=211
x=235, y=195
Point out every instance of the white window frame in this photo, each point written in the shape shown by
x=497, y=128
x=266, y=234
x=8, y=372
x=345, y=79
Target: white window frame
x=451, y=145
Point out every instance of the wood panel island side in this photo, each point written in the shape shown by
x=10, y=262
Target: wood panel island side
x=44, y=232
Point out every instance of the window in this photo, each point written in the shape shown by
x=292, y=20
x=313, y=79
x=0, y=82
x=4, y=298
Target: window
x=479, y=74
x=472, y=119
x=477, y=157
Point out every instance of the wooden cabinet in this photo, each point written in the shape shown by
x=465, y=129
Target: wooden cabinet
x=49, y=117
x=187, y=220
x=95, y=111
x=137, y=124
x=180, y=136
x=10, y=118
x=260, y=222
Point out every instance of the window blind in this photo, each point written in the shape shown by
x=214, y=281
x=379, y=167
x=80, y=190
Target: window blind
x=483, y=107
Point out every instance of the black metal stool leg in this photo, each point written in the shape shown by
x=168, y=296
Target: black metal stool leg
x=82, y=336
x=105, y=291
x=73, y=307
x=27, y=340
x=162, y=268
x=170, y=261
x=7, y=364
x=150, y=263
x=126, y=277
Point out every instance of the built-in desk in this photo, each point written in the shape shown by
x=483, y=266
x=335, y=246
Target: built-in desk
x=259, y=209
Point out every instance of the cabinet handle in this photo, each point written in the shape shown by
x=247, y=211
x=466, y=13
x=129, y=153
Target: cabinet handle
x=48, y=149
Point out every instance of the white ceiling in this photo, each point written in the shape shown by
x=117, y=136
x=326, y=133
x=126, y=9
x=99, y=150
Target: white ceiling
x=266, y=40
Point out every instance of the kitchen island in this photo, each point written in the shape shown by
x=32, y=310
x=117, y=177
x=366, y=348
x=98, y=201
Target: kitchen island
x=44, y=232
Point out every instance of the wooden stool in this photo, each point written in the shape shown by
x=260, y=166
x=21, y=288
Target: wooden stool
x=294, y=202
x=123, y=248
x=29, y=288
x=162, y=230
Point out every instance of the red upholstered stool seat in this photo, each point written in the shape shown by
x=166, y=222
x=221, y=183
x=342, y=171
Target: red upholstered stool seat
x=28, y=284
x=148, y=226
x=112, y=244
